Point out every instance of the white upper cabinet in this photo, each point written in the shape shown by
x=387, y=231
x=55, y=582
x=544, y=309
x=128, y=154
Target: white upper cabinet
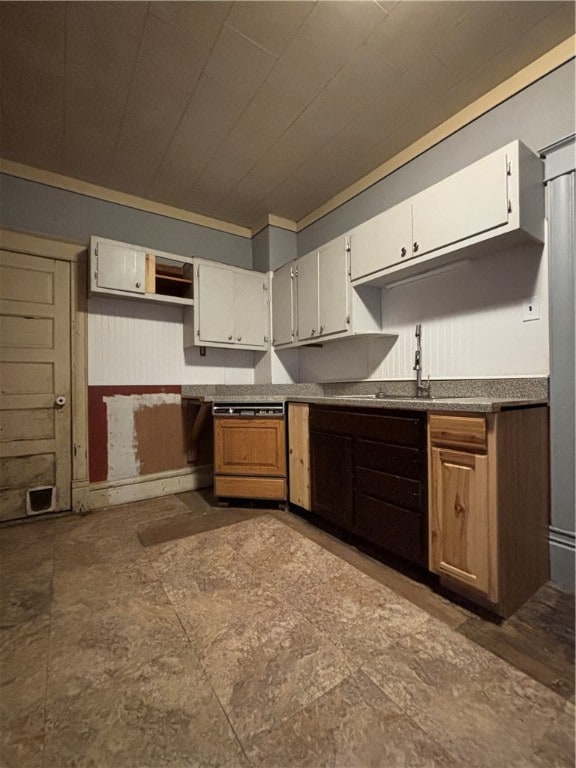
x=128, y=271
x=382, y=241
x=284, y=305
x=494, y=203
x=316, y=290
x=308, y=296
x=471, y=202
x=230, y=308
x=333, y=288
x=322, y=288
x=118, y=267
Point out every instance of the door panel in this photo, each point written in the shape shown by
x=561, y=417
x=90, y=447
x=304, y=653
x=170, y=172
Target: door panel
x=249, y=446
x=333, y=287
x=471, y=201
x=249, y=309
x=308, y=320
x=283, y=305
x=216, y=304
x=461, y=540
x=35, y=435
x=121, y=268
x=332, y=482
x=382, y=241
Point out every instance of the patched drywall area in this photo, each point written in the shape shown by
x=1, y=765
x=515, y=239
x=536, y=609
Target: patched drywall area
x=136, y=431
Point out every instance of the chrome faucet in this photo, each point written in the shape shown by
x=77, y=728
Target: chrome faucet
x=422, y=390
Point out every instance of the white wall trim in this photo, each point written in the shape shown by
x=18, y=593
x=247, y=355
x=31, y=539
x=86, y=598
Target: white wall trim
x=108, y=494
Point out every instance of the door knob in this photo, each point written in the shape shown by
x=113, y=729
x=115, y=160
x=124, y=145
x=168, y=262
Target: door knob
x=60, y=401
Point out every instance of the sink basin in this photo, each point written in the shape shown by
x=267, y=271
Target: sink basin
x=381, y=397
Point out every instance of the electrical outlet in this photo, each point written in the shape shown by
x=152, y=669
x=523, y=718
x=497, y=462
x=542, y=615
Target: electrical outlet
x=531, y=309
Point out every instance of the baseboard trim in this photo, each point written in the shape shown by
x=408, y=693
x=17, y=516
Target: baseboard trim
x=562, y=558
x=111, y=493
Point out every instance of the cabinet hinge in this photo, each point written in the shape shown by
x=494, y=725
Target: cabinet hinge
x=509, y=168
x=347, y=246
x=348, y=319
x=198, y=332
x=509, y=206
x=264, y=287
x=295, y=272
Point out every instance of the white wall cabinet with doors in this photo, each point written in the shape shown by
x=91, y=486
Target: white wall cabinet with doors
x=130, y=271
x=314, y=302
x=496, y=202
x=231, y=308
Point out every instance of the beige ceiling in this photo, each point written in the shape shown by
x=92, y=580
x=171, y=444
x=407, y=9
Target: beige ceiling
x=240, y=109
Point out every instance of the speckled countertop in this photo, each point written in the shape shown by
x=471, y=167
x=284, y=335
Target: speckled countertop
x=471, y=395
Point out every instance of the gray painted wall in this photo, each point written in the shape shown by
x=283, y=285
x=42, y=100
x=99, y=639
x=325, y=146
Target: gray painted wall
x=32, y=207
x=538, y=116
x=272, y=247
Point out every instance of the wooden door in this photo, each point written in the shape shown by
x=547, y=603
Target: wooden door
x=382, y=241
x=334, y=312
x=470, y=202
x=299, y=454
x=462, y=544
x=308, y=320
x=283, y=305
x=251, y=446
x=250, y=309
x=215, y=304
x=35, y=431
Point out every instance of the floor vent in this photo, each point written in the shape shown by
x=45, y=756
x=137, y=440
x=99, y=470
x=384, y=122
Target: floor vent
x=41, y=499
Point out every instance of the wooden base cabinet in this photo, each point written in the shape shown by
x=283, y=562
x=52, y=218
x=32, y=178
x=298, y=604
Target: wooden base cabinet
x=489, y=505
x=299, y=455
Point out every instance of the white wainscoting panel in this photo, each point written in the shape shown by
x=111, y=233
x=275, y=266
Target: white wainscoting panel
x=472, y=326
x=139, y=343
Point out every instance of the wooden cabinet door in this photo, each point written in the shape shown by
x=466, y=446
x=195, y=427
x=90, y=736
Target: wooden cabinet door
x=382, y=241
x=469, y=202
x=332, y=480
x=462, y=544
x=250, y=309
x=283, y=315
x=120, y=268
x=215, y=304
x=308, y=297
x=249, y=447
x=334, y=312
x=299, y=454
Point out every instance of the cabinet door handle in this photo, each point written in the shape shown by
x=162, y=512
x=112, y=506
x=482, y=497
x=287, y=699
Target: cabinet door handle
x=402, y=251
x=138, y=285
x=321, y=328
x=238, y=338
x=313, y=331
x=416, y=247
x=230, y=338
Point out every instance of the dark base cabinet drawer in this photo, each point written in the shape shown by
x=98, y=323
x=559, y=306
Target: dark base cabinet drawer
x=395, y=459
x=402, y=428
x=396, y=530
x=400, y=491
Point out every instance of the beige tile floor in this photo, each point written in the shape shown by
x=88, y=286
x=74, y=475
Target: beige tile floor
x=171, y=633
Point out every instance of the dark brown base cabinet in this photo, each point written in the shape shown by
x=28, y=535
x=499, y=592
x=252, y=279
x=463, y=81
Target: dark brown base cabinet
x=368, y=473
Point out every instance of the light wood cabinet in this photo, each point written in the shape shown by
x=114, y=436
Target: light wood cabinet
x=299, y=455
x=250, y=458
x=489, y=505
x=230, y=310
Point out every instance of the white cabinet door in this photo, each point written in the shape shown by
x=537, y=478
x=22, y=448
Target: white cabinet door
x=250, y=309
x=215, y=304
x=382, y=241
x=308, y=317
x=470, y=202
x=283, y=305
x=334, y=312
x=120, y=268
